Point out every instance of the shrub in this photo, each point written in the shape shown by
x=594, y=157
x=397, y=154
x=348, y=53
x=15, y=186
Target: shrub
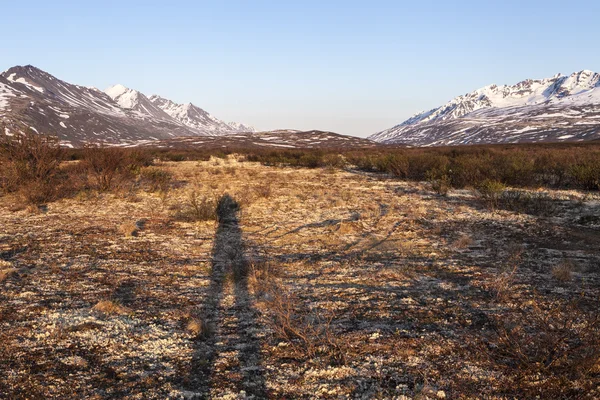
x=198, y=208
x=111, y=307
x=463, y=242
x=587, y=173
x=536, y=203
x=129, y=229
x=334, y=161
x=490, y=192
x=29, y=164
x=514, y=168
x=104, y=164
x=552, y=167
x=38, y=193
x=545, y=352
x=469, y=170
x=7, y=273
x=439, y=181
x=311, y=160
x=156, y=179
x=33, y=157
x=395, y=164
x=197, y=327
x=500, y=286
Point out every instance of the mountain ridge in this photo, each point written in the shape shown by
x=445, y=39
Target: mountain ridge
x=524, y=112
x=31, y=98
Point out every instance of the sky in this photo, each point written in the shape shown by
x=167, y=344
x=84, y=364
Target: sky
x=351, y=67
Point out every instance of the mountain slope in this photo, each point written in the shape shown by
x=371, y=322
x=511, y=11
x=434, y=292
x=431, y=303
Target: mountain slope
x=33, y=99
x=241, y=127
x=196, y=118
x=278, y=139
x=133, y=100
x=555, y=109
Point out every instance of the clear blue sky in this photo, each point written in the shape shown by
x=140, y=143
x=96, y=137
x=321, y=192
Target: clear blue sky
x=353, y=67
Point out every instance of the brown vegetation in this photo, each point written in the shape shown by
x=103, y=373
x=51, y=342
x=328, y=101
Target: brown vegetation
x=305, y=282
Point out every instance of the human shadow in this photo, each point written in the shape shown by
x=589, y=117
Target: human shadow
x=227, y=330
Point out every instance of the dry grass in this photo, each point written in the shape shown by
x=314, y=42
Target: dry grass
x=563, y=272
x=198, y=207
x=111, y=307
x=7, y=273
x=357, y=286
x=129, y=229
x=545, y=347
x=463, y=242
x=502, y=284
x=263, y=190
x=197, y=327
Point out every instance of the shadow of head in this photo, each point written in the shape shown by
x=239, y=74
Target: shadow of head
x=227, y=208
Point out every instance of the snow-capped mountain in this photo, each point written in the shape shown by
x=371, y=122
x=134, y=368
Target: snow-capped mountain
x=241, y=127
x=133, y=100
x=554, y=109
x=33, y=99
x=196, y=118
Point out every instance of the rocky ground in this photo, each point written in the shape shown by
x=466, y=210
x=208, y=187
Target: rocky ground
x=309, y=284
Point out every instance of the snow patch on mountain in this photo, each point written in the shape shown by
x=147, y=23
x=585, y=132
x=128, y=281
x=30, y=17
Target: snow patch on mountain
x=503, y=108
x=24, y=81
x=238, y=127
x=6, y=92
x=133, y=100
x=127, y=98
x=196, y=118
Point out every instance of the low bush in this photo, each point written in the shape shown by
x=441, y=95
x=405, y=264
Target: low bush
x=29, y=166
x=545, y=353
x=439, y=180
x=308, y=331
x=586, y=172
x=198, y=208
x=156, y=179
x=263, y=190
x=111, y=165
x=490, y=192
x=521, y=201
x=104, y=164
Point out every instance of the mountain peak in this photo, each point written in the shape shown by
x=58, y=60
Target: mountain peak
x=116, y=90
x=125, y=97
x=27, y=67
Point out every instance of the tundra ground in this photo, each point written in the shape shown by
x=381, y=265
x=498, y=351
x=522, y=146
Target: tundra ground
x=307, y=283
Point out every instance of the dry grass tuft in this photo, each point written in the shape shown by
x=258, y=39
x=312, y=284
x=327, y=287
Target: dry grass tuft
x=463, y=242
x=111, y=307
x=197, y=327
x=503, y=282
x=129, y=229
x=306, y=330
x=7, y=273
x=198, y=208
x=263, y=190
x=563, y=272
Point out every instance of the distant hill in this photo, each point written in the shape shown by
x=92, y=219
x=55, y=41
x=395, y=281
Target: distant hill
x=278, y=139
